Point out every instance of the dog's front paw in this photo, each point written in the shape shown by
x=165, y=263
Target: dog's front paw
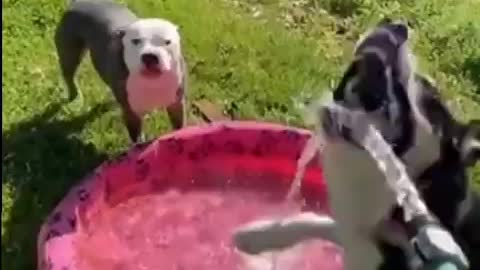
x=142, y=138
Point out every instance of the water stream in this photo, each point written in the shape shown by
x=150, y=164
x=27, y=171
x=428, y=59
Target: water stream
x=308, y=153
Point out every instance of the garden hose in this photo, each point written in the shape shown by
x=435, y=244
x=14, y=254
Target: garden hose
x=446, y=263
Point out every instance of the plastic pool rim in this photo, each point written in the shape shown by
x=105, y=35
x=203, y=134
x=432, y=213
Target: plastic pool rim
x=258, y=148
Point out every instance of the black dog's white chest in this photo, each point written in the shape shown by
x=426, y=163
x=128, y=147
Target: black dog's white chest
x=356, y=183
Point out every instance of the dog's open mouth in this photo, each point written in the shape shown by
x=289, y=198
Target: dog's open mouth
x=151, y=71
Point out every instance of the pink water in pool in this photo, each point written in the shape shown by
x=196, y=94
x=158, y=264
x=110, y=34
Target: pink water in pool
x=192, y=230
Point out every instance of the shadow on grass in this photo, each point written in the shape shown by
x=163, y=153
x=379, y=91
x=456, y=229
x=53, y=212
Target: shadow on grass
x=41, y=161
x=341, y=8
x=472, y=66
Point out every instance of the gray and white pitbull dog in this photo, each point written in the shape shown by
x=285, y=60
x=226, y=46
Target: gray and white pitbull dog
x=122, y=45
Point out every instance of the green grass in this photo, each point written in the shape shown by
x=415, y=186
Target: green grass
x=258, y=66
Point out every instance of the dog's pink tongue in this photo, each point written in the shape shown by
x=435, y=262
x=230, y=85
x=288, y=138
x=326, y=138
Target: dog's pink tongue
x=148, y=92
x=152, y=70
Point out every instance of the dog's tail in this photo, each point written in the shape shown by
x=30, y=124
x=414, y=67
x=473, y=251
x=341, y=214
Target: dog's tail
x=276, y=234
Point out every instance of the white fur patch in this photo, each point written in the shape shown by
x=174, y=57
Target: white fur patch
x=351, y=98
x=151, y=36
x=359, y=198
x=394, y=107
x=469, y=145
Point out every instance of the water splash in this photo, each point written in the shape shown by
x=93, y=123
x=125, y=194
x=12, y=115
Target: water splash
x=308, y=153
x=312, y=146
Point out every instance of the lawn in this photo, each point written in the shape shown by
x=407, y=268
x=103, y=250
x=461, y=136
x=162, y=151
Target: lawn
x=259, y=59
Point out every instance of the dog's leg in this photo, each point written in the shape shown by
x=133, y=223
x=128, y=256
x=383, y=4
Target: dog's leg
x=177, y=113
x=134, y=124
x=132, y=120
x=69, y=56
x=360, y=252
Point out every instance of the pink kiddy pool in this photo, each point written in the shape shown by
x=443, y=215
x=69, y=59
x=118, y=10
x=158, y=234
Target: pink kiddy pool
x=172, y=204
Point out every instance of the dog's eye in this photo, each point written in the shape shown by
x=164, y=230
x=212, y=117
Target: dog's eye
x=168, y=42
x=136, y=41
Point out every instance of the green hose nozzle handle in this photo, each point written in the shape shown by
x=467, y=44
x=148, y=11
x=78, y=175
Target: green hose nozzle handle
x=438, y=250
x=444, y=264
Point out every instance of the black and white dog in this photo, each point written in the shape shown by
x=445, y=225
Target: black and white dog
x=445, y=185
x=139, y=59
x=383, y=83
x=407, y=110
x=377, y=82
x=436, y=148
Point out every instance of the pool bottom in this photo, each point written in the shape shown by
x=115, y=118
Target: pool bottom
x=192, y=230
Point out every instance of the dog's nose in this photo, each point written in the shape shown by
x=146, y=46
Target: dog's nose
x=149, y=59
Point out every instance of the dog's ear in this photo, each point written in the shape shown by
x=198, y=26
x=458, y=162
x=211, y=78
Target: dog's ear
x=398, y=28
x=119, y=33
x=116, y=46
x=401, y=31
x=116, y=39
x=434, y=109
x=471, y=143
